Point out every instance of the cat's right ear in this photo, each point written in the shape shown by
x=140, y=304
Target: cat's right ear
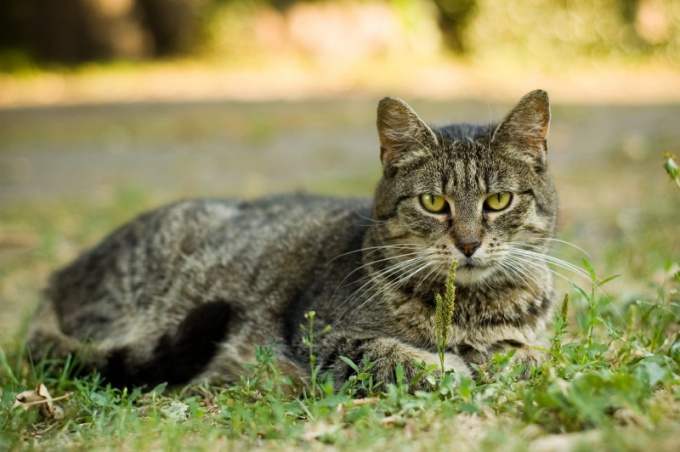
x=524, y=130
x=402, y=133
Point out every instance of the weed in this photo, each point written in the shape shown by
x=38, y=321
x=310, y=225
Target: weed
x=362, y=380
x=444, y=313
x=561, y=327
x=671, y=168
x=308, y=340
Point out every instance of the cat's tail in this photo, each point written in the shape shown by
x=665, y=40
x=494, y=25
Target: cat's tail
x=178, y=355
x=47, y=340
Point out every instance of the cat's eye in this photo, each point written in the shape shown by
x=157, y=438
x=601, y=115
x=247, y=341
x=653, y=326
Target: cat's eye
x=498, y=201
x=433, y=203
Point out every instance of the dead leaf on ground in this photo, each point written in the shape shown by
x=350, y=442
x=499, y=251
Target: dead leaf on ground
x=40, y=398
x=318, y=430
x=392, y=420
x=342, y=408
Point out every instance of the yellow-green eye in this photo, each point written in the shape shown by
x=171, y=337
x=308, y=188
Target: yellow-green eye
x=433, y=203
x=498, y=201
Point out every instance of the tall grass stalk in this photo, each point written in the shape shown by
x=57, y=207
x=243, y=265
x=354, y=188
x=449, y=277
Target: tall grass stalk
x=444, y=313
x=308, y=340
x=671, y=168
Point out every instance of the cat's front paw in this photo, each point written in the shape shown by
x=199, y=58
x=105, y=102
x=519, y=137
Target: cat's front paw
x=529, y=358
x=456, y=364
x=428, y=365
x=523, y=360
x=417, y=364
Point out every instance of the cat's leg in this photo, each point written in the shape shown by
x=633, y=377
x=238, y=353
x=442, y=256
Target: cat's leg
x=236, y=358
x=386, y=353
x=529, y=356
x=236, y=355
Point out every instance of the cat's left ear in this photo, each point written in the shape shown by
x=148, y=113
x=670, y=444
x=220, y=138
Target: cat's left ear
x=402, y=133
x=524, y=131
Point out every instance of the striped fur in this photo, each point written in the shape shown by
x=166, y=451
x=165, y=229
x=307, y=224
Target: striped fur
x=183, y=293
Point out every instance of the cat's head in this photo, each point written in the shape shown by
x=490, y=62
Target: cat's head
x=478, y=194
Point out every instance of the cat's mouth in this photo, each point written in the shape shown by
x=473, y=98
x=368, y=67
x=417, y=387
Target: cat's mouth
x=471, y=264
x=471, y=271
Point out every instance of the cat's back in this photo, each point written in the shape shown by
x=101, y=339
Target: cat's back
x=256, y=253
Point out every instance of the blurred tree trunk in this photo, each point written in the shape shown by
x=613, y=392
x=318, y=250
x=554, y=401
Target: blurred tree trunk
x=454, y=17
x=75, y=31
x=173, y=24
x=72, y=31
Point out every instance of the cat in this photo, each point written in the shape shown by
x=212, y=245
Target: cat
x=186, y=292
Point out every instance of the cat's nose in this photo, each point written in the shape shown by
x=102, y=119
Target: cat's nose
x=468, y=248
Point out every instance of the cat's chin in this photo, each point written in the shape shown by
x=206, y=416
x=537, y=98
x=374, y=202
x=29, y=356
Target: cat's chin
x=470, y=275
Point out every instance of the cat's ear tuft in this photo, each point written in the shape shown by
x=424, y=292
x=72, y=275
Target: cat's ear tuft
x=401, y=132
x=524, y=131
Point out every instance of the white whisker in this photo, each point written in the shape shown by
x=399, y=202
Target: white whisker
x=387, y=272
x=538, y=265
x=518, y=271
x=564, y=242
x=374, y=249
x=551, y=259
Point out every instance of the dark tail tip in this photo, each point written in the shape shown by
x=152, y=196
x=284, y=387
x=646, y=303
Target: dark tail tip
x=179, y=355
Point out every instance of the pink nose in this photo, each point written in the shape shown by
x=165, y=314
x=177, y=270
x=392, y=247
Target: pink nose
x=468, y=248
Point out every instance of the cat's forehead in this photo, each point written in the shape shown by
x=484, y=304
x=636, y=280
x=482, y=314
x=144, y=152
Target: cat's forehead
x=465, y=156
x=465, y=132
x=466, y=165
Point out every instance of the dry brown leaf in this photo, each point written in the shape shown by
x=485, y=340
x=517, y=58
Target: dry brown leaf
x=40, y=398
x=319, y=429
x=342, y=408
x=392, y=420
x=365, y=401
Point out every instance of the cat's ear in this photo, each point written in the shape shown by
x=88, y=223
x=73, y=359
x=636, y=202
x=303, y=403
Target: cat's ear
x=401, y=131
x=524, y=131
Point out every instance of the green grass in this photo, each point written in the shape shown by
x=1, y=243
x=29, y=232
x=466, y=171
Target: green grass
x=612, y=382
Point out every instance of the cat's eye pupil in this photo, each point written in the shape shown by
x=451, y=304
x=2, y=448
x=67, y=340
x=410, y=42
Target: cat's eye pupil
x=498, y=201
x=433, y=203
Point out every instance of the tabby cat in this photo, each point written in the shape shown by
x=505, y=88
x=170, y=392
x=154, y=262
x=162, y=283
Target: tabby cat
x=185, y=293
